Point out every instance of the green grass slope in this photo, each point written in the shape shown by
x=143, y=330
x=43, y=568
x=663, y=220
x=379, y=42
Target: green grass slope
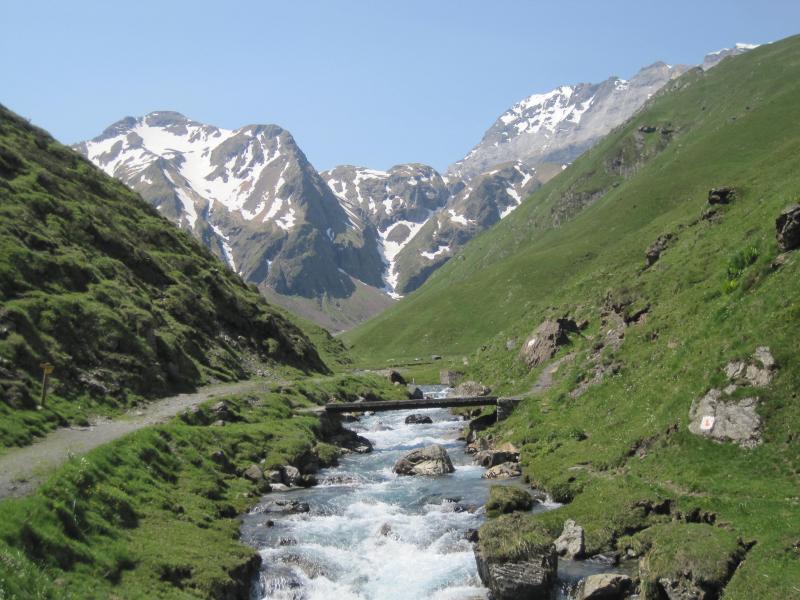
x=620, y=454
x=123, y=304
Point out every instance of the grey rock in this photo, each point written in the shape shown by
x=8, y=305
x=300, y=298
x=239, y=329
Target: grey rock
x=253, y=473
x=416, y=419
x=492, y=458
x=274, y=476
x=285, y=506
x=290, y=475
x=604, y=586
x=787, y=227
x=471, y=388
x=544, y=342
x=415, y=393
x=571, y=543
x=505, y=470
x=657, y=248
x=529, y=579
x=432, y=460
x=734, y=421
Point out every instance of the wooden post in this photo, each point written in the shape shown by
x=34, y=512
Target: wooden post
x=47, y=369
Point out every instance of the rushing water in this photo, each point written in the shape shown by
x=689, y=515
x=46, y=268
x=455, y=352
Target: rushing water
x=372, y=535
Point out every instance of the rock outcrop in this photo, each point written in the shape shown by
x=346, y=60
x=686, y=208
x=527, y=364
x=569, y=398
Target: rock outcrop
x=571, y=543
x=734, y=421
x=432, y=460
x=544, y=342
x=656, y=248
x=721, y=195
x=531, y=578
x=787, y=227
x=492, y=458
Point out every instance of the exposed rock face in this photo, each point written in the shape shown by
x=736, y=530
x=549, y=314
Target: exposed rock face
x=418, y=419
x=656, y=248
x=787, y=227
x=432, y=460
x=349, y=441
x=471, y=388
x=505, y=470
x=604, y=586
x=721, y=195
x=571, y=542
x=529, y=579
x=415, y=393
x=726, y=421
x=544, y=342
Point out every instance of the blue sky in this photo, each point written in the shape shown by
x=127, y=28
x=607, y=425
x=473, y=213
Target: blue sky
x=373, y=83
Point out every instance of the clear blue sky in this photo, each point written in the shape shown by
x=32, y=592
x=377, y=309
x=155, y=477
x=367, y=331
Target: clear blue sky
x=363, y=82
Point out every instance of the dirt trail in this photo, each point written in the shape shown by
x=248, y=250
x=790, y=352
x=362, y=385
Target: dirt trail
x=22, y=470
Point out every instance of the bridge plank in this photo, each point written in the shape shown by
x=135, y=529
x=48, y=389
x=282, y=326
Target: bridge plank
x=383, y=405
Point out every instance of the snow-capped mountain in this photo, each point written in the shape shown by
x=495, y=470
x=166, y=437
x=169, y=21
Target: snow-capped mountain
x=557, y=126
x=336, y=246
x=713, y=58
x=421, y=217
x=250, y=194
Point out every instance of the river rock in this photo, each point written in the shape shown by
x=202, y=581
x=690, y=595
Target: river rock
x=290, y=475
x=571, y=543
x=529, y=579
x=505, y=470
x=417, y=419
x=285, y=506
x=415, y=393
x=432, y=460
x=544, y=342
x=604, y=586
x=479, y=424
x=253, y=473
x=734, y=421
x=492, y=458
x=787, y=227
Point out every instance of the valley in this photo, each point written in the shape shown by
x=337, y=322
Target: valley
x=617, y=262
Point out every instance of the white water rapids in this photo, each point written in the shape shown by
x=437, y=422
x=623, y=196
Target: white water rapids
x=373, y=535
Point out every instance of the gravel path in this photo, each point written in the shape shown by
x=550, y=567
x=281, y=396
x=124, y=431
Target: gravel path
x=22, y=470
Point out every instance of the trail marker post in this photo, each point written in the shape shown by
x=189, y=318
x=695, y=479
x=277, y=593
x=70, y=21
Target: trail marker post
x=47, y=369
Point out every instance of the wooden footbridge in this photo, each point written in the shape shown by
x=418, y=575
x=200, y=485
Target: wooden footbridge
x=504, y=405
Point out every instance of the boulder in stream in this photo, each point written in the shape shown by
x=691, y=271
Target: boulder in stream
x=432, y=460
x=571, y=543
x=417, y=419
x=604, y=586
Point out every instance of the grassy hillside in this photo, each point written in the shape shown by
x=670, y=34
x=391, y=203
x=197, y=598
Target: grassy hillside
x=736, y=124
x=611, y=436
x=121, y=303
